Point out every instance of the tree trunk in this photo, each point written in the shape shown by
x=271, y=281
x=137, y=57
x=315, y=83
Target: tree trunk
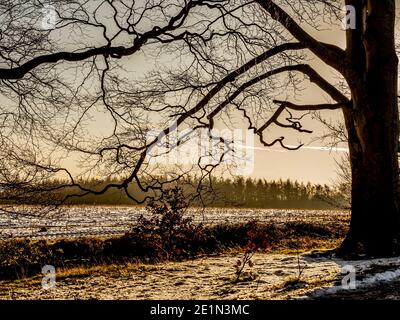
x=373, y=130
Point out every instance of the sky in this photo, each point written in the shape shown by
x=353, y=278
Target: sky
x=314, y=162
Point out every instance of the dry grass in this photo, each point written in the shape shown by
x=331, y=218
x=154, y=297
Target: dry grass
x=206, y=277
x=24, y=258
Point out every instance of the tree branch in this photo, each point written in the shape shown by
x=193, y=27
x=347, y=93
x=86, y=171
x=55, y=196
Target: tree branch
x=330, y=54
x=311, y=107
x=107, y=50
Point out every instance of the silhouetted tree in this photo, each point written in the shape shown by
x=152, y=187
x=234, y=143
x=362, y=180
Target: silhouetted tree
x=233, y=55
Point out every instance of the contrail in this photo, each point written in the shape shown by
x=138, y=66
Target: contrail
x=319, y=148
x=314, y=148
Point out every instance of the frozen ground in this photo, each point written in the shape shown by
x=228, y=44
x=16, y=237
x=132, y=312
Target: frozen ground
x=85, y=221
x=274, y=277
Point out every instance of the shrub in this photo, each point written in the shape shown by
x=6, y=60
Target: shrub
x=168, y=233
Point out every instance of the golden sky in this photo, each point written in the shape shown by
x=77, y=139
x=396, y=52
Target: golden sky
x=313, y=162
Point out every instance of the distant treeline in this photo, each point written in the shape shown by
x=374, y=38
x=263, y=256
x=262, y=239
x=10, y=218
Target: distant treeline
x=239, y=192
x=260, y=193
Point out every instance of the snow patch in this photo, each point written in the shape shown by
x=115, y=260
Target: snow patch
x=363, y=266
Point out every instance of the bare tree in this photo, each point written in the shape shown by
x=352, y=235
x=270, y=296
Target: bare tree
x=229, y=57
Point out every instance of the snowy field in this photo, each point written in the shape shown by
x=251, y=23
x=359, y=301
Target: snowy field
x=104, y=221
x=210, y=277
x=274, y=276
